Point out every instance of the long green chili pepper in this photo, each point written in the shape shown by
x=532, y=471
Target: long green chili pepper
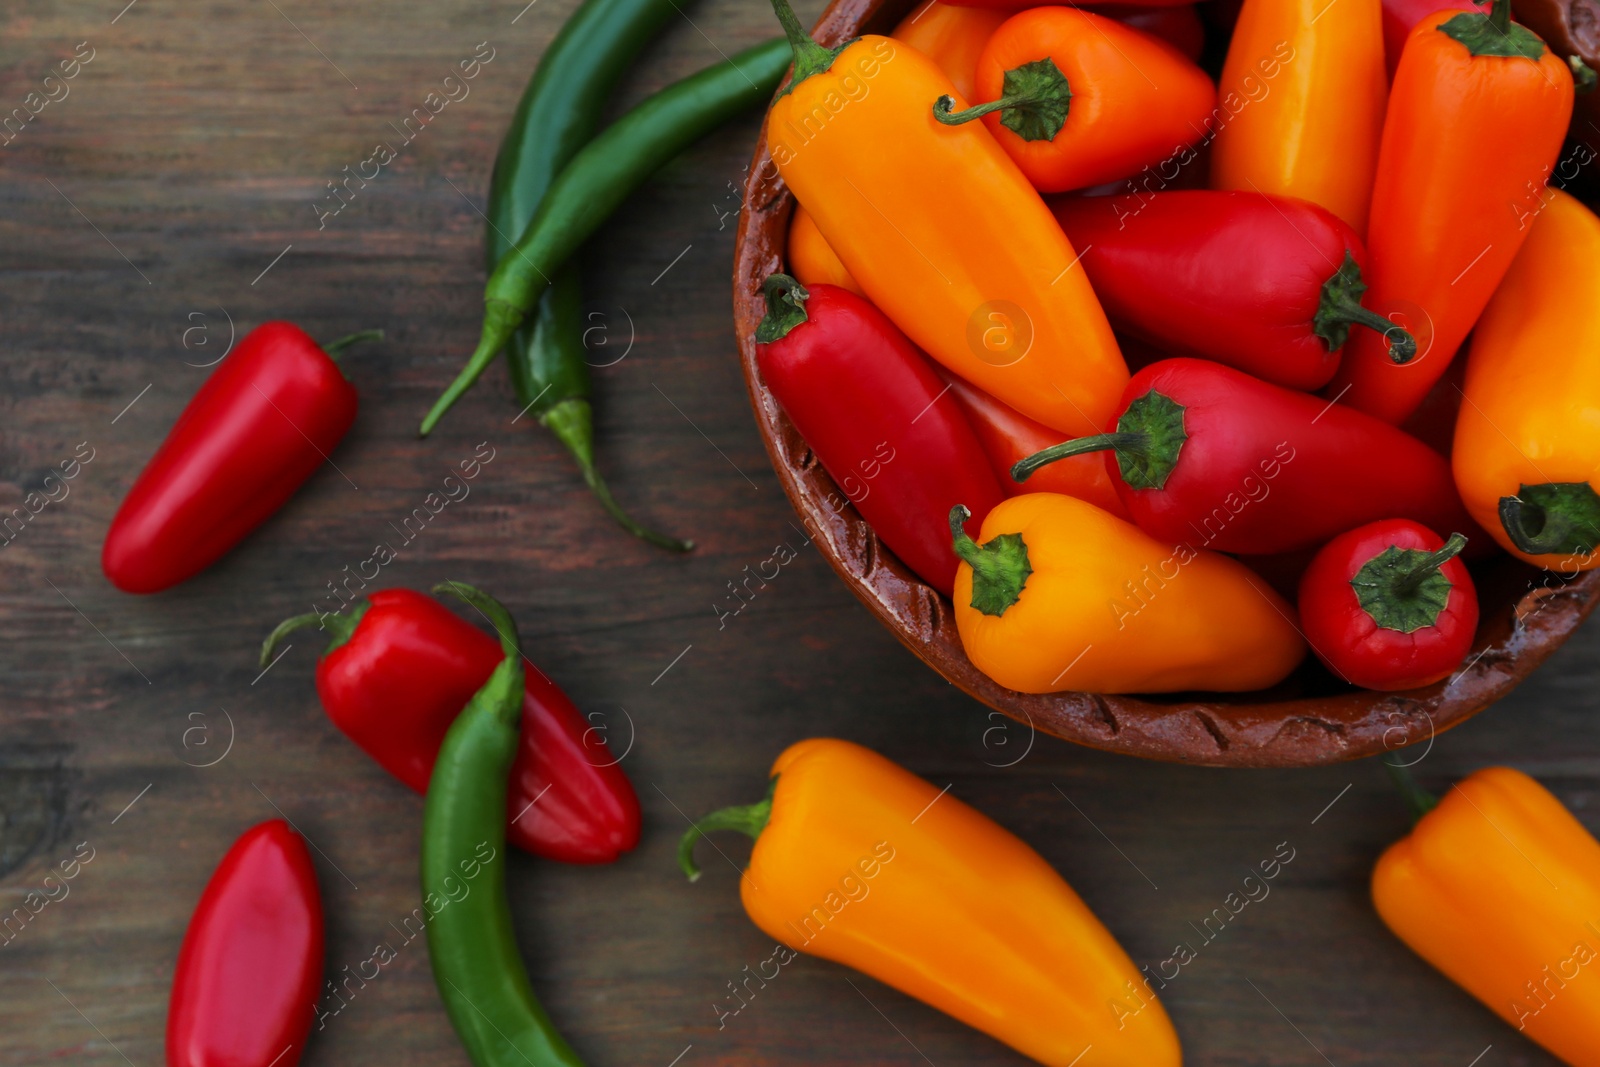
x=471, y=944
x=559, y=112
x=599, y=178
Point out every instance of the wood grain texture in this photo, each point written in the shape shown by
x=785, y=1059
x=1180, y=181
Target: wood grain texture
x=196, y=142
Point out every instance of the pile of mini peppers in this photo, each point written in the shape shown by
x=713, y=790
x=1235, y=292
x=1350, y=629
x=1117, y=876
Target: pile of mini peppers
x=1162, y=358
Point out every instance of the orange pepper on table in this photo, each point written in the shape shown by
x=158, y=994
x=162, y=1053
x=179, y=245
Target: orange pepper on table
x=1314, y=132
x=859, y=861
x=941, y=230
x=1061, y=595
x=951, y=36
x=1527, y=446
x=1078, y=99
x=1477, y=115
x=1498, y=886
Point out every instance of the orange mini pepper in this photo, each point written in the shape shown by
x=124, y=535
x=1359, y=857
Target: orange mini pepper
x=1079, y=99
x=941, y=230
x=1314, y=132
x=953, y=37
x=1061, y=595
x=1498, y=886
x=1527, y=449
x=859, y=861
x=811, y=259
x=1477, y=114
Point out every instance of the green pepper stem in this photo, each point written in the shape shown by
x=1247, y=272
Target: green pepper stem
x=335, y=349
x=1035, y=99
x=748, y=819
x=966, y=549
x=1499, y=14
x=809, y=56
x=340, y=626
x=500, y=322
x=942, y=108
x=492, y=609
x=1418, y=799
x=1408, y=580
x=571, y=422
x=1402, y=345
x=1078, y=446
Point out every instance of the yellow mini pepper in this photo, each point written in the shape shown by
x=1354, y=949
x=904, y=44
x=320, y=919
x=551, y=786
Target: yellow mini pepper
x=859, y=861
x=1527, y=449
x=1498, y=886
x=1062, y=595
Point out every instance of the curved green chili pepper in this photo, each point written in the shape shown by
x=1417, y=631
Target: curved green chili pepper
x=559, y=112
x=471, y=944
x=599, y=178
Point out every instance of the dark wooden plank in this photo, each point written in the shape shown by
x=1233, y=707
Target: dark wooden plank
x=195, y=143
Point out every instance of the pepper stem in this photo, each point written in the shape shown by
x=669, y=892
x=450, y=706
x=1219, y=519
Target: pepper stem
x=748, y=819
x=1493, y=34
x=1409, y=578
x=500, y=321
x=1418, y=799
x=335, y=349
x=1035, y=99
x=1341, y=308
x=572, y=423
x=1551, y=518
x=340, y=626
x=492, y=609
x=786, y=308
x=1403, y=589
x=809, y=56
x=1117, y=442
x=1000, y=567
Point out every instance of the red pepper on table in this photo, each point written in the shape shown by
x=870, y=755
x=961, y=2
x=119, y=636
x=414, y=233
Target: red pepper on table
x=399, y=670
x=868, y=404
x=1207, y=455
x=266, y=419
x=1390, y=605
x=1268, y=284
x=250, y=968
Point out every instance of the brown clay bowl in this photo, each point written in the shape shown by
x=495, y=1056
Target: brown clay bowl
x=1310, y=719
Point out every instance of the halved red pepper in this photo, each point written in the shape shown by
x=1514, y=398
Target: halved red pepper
x=1209, y=456
x=869, y=405
x=250, y=968
x=1268, y=284
x=266, y=419
x=399, y=670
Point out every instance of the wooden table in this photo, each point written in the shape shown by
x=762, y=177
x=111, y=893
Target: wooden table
x=166, y=203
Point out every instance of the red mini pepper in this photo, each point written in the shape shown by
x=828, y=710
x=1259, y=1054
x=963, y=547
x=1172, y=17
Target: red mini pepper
x=868, y=405
x=251, y=963
x=1268, y=284
x=266, y=419
x=399, y=670
x=1207, y=455
x=1389, y=605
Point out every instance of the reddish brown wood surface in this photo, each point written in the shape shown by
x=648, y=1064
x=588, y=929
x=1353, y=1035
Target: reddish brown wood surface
x=196, y=143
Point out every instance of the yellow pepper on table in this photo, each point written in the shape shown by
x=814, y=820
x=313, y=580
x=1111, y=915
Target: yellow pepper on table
x=1062, y=595
x=859, y=861
x=1498, y=886
x=1527, y=446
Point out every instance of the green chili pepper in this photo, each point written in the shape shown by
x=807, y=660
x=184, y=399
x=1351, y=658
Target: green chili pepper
x=599, y=178
x=471, y=944
x=559, y=112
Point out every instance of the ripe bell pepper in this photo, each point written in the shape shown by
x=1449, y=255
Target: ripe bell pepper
x=399, y=669
x=1389, y=605
x=1477, y=114
x=1208, y=455
x=1527, y=450
x=942, y=232
x=953, y=37
x=1267, y=284
x=1314, y=133
x=1498, y=886
x=251, y=964
x=1078, y=99
x=859, y=861
x=266, y=419
x=810, y=258
x=1061, y=595
x=868, y=405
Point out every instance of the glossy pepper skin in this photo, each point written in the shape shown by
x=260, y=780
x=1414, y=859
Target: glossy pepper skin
x=953, y=37
x=1267, y=284
x=1314, y=134
x=250, y=969
x=269, y=416
x=1208, y=455
x=1439, y=244
x=859, y=861
x=869, y=406
x=1499, y=888
x=1059, y=595
x=1078, y=99
x=963, y=267
x=1389, y=605
x=1009, y=436
x=401, y=667
x=811, y=260
x=1527, y=448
